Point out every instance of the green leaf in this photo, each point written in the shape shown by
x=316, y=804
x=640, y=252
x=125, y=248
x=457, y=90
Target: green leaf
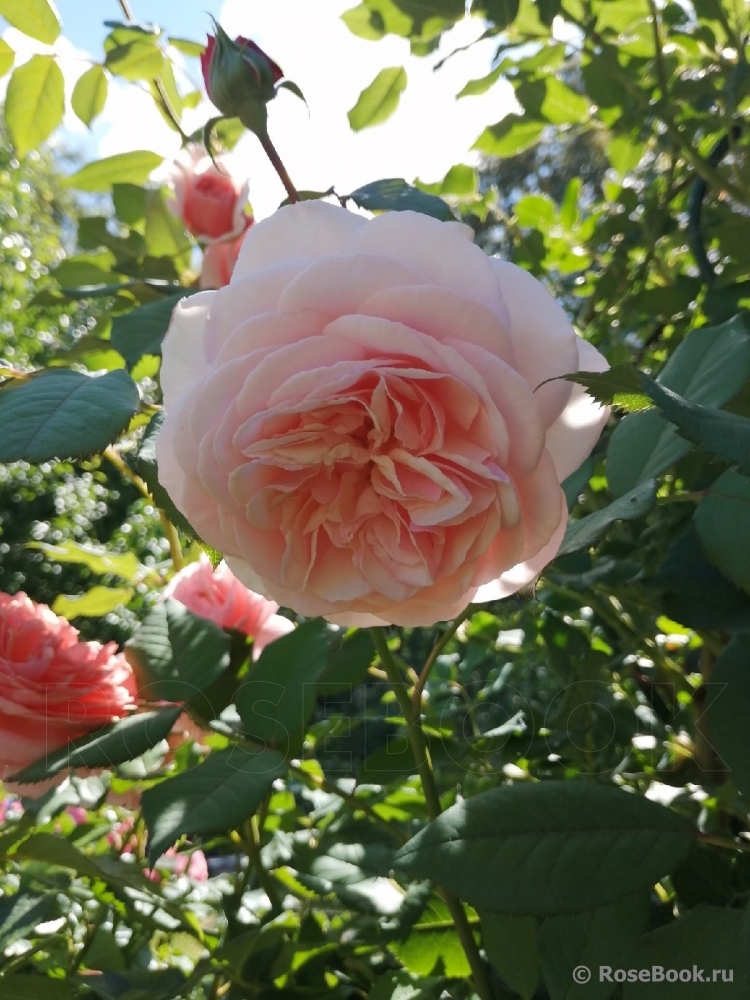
x=278, y=697
x=393, y=194
x=55, y=850
x=728, y=709
x=482, y=84
x=348, y=661
x=363, y=22
x=30, y=987
x=90, y=94
x=107, y=747
x=724, y=434
x=176, y=653
x=136, y=60
x=142, y=330
x=619, y=386
x=98, y=560
x=403, y=985
x=709, y=367
x=706, y=938
x=433, y=944
x=604, y=936
x=510, y=136
x=722, y=520
x=20, y=914
x=213, y=797
x=553, y=100
x=94, y=603
x=502, y=13
x=37, y=18
x=587, y=531
x=187, y=47
x=548, y=848
x=84, y=269
x=165, y=234
x=535, y=211
x=34, y=103
x=145, y=466
x=130, y=203
x=377, y=102
x=510, y=944
x=7, y=57
x=61, y=413
x=122, y=168
x=293, y=88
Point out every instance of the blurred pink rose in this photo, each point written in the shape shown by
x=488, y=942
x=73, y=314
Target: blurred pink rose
x=219, y=260
x=53, y=688
x=194, y=865
x=218, y=595
x=208, y=199
x=356, y=422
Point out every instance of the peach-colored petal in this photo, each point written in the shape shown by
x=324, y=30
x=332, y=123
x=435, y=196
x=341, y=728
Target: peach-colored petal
x=436, y=251
x=183, y=359
x=524, y=573
x=575, y=432
x=311, y=229
x=365, y=441
x=544, y=340
x=337, y=285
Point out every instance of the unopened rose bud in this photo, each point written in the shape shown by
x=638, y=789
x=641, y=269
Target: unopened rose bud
x=240, y=79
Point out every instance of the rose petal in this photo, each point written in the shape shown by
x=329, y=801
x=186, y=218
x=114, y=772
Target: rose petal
x=573, y=435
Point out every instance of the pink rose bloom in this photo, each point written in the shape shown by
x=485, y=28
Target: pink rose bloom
x=355, y=420
x=194, y=865
x=218, y=595
x=53, y=688
x=208, y=199
x=219, y=260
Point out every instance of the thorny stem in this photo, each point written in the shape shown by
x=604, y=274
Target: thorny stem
x=421, y=755
x=273, y=156
x=170, y=532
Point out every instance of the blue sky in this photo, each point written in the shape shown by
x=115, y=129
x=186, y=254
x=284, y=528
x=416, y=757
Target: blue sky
x=428, y=134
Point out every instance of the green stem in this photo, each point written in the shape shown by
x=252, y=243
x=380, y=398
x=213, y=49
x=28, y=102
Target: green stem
x=438, y=648
x=421, y=754
x=273, y=156
x=417, y=738
x=170, y=532
x=730, y=845
x=252, y=845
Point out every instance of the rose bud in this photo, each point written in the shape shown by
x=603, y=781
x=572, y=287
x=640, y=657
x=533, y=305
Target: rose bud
x=240, y=79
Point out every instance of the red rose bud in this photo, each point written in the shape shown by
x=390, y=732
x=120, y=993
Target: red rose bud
x=240, y=78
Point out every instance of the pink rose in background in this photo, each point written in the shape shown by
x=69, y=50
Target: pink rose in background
x=219, y=260
x=194, y=865
x=356, y=422
x=218, y=595
x=53, y=688
x=208, y=199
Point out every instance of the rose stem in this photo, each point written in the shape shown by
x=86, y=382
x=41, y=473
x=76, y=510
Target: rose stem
x=170, y=532
x=421, y=756
x=438, y=648
x=273, y=156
